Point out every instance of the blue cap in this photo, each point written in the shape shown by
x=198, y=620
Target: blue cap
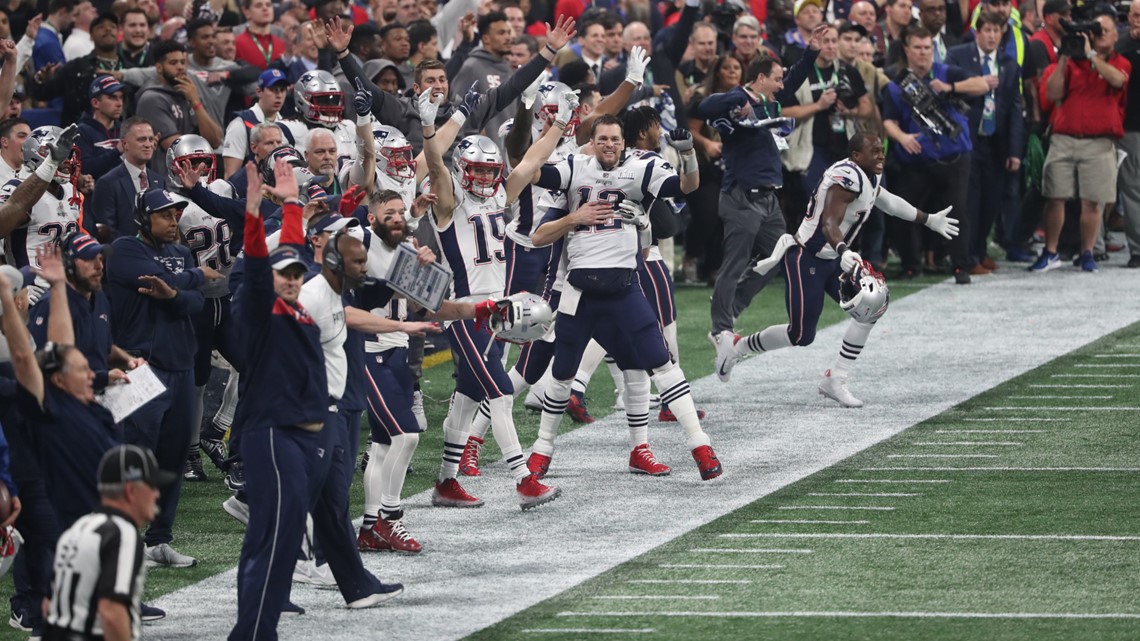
x=104, y=85
x=83, y=246
x=314, y=191
x=332, y=223
x=270, y=77
x=158, y=199
x=286, y=256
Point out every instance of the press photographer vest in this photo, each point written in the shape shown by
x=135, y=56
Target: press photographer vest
x=934, y=148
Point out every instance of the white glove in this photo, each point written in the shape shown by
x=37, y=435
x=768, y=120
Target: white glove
x=632, y=213
x=680, y=139
x=635, y=66
x=429, y=107
x=567, y=105
x=849, y=261
x=530, y=93
x=942, y=224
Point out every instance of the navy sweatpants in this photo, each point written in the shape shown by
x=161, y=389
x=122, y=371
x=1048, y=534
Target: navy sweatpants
x=809, y=279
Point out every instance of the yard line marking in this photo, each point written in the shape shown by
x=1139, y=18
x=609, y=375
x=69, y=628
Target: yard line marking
x=658, y=597
x=1079, y=385
x=1116, y=355
x=1003, y=443
x=1001, y=469
x=699, y=566
x=863, y=494
x=1054, y=396
x=942, y=456
x=692, y=581
x=1059, y=408
x=964, y=537
x=809, y=522
x=892, y=481
x=591, y=630
x=1099, y=365
x=753, y=551
x=990, y=431
x=866, y=615
x=835, y=507
x=1094, y=376
x=1016, y=420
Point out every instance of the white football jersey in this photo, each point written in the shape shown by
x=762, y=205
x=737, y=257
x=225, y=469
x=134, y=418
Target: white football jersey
x=472, y=243
x=379, y=258
x=49, y=221
x=527, y=211
x=845, y=175
x=638, y=177
x=208, y=238
x=406, y=187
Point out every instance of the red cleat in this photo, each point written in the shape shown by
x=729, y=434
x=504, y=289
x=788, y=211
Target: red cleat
x=538, y=464
x=642, y=461
x=393, y=534
x=368, y=541
x=576, y=408
x=532, y=493
x=707, y=462
x=450, y=494
x=469, y=462
x=666, y=415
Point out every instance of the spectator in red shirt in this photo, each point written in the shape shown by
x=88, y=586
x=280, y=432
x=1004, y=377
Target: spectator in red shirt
x=256, y=46
x=1088, y=118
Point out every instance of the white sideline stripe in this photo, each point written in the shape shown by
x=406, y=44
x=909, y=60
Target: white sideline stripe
x=963, y=537
x=809, y=522
x=970, y=443
x=942, y=456
x=867, y=615
x=589, y=630
x=720, y=566
x=1094, y=376
x=835, y=507
x=892, y=481
x=658, y=597
x=863, y=494
x=1002, y=469
x=1116, y=355
x=1088, y=365
x=1014, y=419
x=1079, y=385
x=1058, y=408
x=693, y=581
x=753, y=551
x=990, y=431
x=1054, y=396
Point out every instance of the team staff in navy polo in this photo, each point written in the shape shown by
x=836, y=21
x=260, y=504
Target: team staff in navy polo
x=749, y=205
x=154, y=291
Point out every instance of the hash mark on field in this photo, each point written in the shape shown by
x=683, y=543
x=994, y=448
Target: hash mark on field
x=990, y=431
x=893, y=615
x=942, y=456
x=1058, y=408
x=835, y=507
x=719, y=566
x=1094, y=376
x=1004, y=443
x=590, y=630
x=1000, y=469
x=809, y=522
x=659, y=597
x=1079, y=385
x=1014, y=419
x=964, y=537
x=863, y=494
x=892, y=481
x=1054, y=396
x=753, y=551
x=692, y=581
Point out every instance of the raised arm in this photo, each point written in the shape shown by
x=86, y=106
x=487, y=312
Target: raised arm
x=440, y=179
x=518, y=138
x=14, y=211
x=526, y=172
x=8, y=72
x=387, y=108
x=60, y=329
x=678, y=42
x=365, y=142
x=616, y=101
x=23, y=356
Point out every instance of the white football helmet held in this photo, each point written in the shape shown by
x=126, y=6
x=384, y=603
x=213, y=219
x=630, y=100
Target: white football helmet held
x=318, y=98
x=863, y=293
x=546, y=106
x=528, y=318
x=195, y=150
x=37, y=146
x=478, y=166
x=394, y=154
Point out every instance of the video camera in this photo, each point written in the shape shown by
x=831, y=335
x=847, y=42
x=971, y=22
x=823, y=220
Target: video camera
x=1083, y=22
x=930, y=109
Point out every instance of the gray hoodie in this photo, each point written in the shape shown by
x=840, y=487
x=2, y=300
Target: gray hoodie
x=485, y=71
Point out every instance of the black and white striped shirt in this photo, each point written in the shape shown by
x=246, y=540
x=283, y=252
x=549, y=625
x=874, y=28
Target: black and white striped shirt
x=100, y=557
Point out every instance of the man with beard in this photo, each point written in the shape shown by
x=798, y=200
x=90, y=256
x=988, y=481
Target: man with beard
x=73, y=80
x=173, y=106
x=321, y=156
x=487, y=67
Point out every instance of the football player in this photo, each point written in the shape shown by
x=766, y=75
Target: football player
x=817, y=260
x=320, y=103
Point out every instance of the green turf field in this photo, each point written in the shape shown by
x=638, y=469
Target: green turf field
x=1006, y=517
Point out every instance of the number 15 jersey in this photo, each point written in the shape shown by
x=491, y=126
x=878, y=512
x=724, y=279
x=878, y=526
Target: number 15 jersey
x=472, y=243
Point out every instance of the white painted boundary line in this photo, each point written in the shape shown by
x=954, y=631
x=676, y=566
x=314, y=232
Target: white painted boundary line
x=937, y=537
x=718, y=566
x=1058, y=408
x=657, y=597
x=1001, y=469
x=752, y=551
x=867, y=615
x=970, y=443
x=809, y=522
x=1099, y=365
x=835, y=507
x=892, y=481
x=1080, y=385
x=942, y=456
x=1116, y=355
x=990, y=431
x=1061, y=397
x=590, y=630
x=863, y=494
x=1016, y=420
x=692, y=581
x=1094, y=376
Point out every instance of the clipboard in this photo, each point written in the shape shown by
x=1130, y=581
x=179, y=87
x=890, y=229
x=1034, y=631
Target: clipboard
x=425, y=285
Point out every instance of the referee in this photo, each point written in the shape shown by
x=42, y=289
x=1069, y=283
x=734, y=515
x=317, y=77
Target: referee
x=749, y=205
x=99, y=562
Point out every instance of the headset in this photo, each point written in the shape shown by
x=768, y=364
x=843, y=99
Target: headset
x=142, y=218
x=51, y=358
x=332, y=258
x=65, y=254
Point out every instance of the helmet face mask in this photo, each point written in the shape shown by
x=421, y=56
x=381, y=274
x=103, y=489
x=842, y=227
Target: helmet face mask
x=531, y=316
x=37, y=147
x=863, y=293
x=195, y=150
x=478, y=166
x=546, y=107
x=318, y=98
x=395, y=154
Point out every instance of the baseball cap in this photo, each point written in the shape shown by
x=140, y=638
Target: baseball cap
x=1056, y=6
x=270, y=77
x=286, y=256
x=83, y=246
x=332, y=223
x=848, y=27
x=126, y=463
x=104, y=17
x=314, y=191
x=158, y=199
x=800, y=4
x=104, y=85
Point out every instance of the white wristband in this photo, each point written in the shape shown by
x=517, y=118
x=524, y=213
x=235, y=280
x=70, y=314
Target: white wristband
x=46, y=170
x=458, y=117
x=689, y=163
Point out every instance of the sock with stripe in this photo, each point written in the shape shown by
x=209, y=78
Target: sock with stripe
x=853, y=341
x=377, y=453
x=503, y=427
x=774, y=337
x=553, y=407
x=395, y=469
x=674, y=389
x=456, y=427
x=636, y=397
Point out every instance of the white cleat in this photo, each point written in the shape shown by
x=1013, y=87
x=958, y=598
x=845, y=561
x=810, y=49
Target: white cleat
x=726, y=354
x=308, y=571
x=835, y=388
x=418, y=409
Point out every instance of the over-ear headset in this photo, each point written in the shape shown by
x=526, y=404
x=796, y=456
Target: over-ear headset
x=332, y=258
x=65, y=254
x=51, y=358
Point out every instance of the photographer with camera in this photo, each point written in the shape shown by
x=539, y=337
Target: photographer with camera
x=931, y=142
x=1088, y=88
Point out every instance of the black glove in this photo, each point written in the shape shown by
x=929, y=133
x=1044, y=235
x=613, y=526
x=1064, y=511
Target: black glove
x=471, y=100
x=61, y=148
x=362, y=99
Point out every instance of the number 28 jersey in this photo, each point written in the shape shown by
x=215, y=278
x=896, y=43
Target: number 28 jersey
x=208, y=239
x=640, y=177
x=49, y=221
x=472, y=243
x=845, y=175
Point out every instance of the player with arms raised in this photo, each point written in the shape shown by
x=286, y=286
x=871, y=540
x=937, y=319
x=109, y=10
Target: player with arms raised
x=818, y=261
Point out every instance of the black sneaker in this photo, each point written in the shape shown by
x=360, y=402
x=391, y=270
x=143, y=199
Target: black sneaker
x=961, y=277
x=20, y=621
x=193, y=471
x=1134, y=261
x=215, y=448
x=235, y=476
x=151, y=613
x=292, y=608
